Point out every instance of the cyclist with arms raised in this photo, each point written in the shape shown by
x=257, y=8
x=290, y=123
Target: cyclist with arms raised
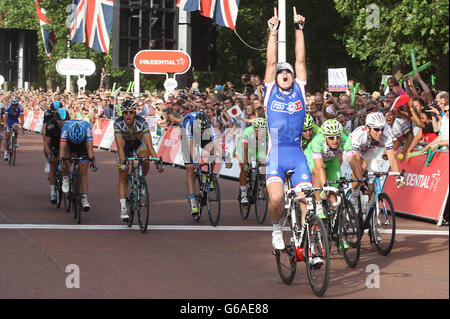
x=132, y=136
x=285, y=103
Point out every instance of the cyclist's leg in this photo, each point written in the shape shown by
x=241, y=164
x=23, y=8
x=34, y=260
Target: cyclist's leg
x=333, y=170
x=142, y=151
x=52, y=176
x=301, y=177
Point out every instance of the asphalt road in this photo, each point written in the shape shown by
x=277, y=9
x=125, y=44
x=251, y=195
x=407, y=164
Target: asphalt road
x=42, y=247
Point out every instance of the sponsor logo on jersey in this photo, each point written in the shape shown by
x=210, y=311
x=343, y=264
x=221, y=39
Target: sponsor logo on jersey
x=286, y=108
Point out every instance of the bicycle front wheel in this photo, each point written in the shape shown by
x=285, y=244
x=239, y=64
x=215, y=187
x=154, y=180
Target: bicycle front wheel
x=76, y=198
x=243, y=209
x=384, y=225
x=261, y=201
x=286, y=258
x=349, y=233
x=130, y=200
x=213, y=201
x=143, y=209
x=317, y=255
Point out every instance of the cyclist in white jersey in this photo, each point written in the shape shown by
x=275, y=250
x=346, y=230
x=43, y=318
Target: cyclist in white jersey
x=360, y=145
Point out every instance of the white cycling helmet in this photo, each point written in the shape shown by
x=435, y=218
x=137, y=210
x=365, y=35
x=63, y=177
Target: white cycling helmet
x=375, y=119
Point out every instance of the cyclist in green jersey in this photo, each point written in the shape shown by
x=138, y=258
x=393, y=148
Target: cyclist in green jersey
x=252, y=146
x=310, y=129
x=324, y=156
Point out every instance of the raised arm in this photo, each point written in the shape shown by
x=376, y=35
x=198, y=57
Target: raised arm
x=300, y=52
x=271, y=63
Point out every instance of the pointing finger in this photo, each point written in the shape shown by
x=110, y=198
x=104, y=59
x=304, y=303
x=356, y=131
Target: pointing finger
x=295, y=11
x=275, y=12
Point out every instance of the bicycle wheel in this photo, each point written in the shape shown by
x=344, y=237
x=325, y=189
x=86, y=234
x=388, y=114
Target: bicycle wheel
x=286, y=258
x=213, y=200
x=143, y=207
x=261, y=202
x=328, y=222
x=59, y=192
x=67, y=198
x=199, y=196
x=243, y=209
x=317, y=255
x=384, y=225
x=76, y=198
x=131, y=199
x=349, y=233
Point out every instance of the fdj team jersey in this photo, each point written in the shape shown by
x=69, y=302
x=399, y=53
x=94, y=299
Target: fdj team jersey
x=13, y=114
x=285, y=112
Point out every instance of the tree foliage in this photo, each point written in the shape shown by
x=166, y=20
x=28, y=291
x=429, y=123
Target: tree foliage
x=421, y=25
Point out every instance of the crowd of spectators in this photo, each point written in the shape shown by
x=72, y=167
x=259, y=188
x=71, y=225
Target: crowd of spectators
x=421, y=123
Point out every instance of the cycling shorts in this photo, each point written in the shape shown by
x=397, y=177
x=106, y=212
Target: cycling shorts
x=283, y=158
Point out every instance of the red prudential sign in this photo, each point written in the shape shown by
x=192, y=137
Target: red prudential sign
x=162, y=61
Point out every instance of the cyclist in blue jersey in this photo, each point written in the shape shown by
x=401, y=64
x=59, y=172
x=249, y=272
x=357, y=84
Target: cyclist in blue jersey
x=285, y=103
x=13, y=117
x=76, y=139
x=196, y=133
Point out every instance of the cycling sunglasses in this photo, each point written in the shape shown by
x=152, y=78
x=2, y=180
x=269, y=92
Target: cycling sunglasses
x=336, y=137
x=307, y=130
x=377, y=129
x=282, y=70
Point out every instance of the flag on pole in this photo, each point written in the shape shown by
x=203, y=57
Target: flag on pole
x=223, y=12
x=399, y=101
x=91, y=22
x=48, y=37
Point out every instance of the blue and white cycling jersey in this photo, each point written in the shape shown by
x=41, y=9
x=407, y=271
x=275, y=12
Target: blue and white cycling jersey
x=84, y=124
x=13, y=114
x=285, y=112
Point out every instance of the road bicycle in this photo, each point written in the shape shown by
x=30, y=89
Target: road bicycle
x=207, y=192
x=12, y=148
x=342, y=224
x=307, y=242
x=73, y=197
x=256, y=194
x=137, y=192
x=379, y=217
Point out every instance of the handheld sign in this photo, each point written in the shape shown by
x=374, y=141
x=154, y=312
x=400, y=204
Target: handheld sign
x=337, y=80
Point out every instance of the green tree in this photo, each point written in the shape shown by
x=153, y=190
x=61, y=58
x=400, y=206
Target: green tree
x=381, y=33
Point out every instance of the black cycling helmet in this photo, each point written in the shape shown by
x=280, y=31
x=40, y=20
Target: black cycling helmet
x=128, y=105
x=62, y=115
x=14, y=101
x=55, y=105
x=203, y=119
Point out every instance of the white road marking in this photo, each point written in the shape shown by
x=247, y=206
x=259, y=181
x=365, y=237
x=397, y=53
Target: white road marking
x=185, y=227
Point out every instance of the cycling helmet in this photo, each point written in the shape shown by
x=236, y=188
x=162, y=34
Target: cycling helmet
x=14, y=100
x=204, y=121
x=128, y=105
x=309, y=121
x=62, y=115
x=375, y=119
x=260, y=123
x=283, y=66
x=55, y=105
x=77, y=133
x=331, y=127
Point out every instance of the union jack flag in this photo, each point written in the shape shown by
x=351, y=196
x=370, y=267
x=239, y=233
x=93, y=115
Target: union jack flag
x=48, y=37
x=224, y=12
x=91, y=22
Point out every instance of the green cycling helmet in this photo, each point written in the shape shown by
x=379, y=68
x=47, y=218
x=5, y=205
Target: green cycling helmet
x=260, y=123
x=331, y=127
x=309, y=121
